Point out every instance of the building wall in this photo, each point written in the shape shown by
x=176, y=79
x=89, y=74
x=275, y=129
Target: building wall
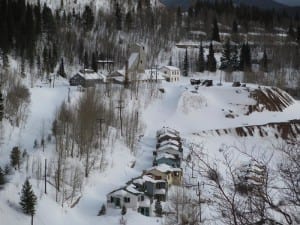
x=171, y=151
x=173, y=179
x=168, y=161
x=139, y=64
x=133, y=204
x=171, y=75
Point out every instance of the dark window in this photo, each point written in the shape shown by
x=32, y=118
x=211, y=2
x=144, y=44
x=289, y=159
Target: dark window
x=126, y=199
x=160, y=185
x=111, y=199
x=142, y=198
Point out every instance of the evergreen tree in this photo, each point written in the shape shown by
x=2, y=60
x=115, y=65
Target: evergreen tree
x=245, y=58
x=38, y=17
x=178, y=17
x=61, y=69
x=29, y=34
x=211, y=60
x=215, y=31
x=201, y=61
x=5, y=60
x=170, y=63
x=15, y=157
x=1, y=105
x=102, y=211
x=186, y=64
x=298, y=33
x=118, y=16
x=124, y=210
x=48, y=22
x=248, y=57
x=158, y=208
x=2, y=177
x=226, y=57
x=28, y=200
x=87, y=18
x=128, y=21
x=291, y=32
x=86, y=60
x=23, y=74
x=94, y=62
x=234, y=27
x=234, y=60
x=264, y=62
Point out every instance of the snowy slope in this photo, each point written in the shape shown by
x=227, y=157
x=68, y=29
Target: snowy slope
x=181, y=107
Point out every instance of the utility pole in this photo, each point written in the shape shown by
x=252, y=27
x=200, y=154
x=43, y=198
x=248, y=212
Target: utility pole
x=45, y=176
x=198, y=193
x=100, y=121
x=120, y=107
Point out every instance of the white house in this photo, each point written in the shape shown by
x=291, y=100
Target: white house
x=171, y=73
x=131, y=198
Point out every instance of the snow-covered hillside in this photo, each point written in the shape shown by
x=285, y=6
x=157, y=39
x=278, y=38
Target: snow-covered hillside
x=188, y=109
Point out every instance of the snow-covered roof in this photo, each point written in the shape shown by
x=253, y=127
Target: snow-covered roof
x=166, y=130
x=164, y=168
x=123, y=191
x=198, y=32
x=171, y=68
x=165, y=155
x=167, y=134
x=105, y=61
x=142, y=179
x=171, y=141
x=132, y=189
x=89, y=74
x=169, y=146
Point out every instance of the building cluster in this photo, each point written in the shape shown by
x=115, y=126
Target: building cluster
x=251, y=178
x=141, y=193
x=133, y=71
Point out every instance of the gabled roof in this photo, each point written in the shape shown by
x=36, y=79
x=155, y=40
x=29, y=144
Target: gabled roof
x=166, y=130
x=171, y=68
x=164, y=168
x=165, y=155
x=126, y=189
x=89, y=74
x=142, y=179
x=169, y=142
x=169, y=146
x=168, y=135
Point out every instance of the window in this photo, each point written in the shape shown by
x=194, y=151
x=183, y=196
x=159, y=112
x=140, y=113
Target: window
x=142, y=198
x=160, y=185
x=111, y=199
x=126, y=199
x=141, y=62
